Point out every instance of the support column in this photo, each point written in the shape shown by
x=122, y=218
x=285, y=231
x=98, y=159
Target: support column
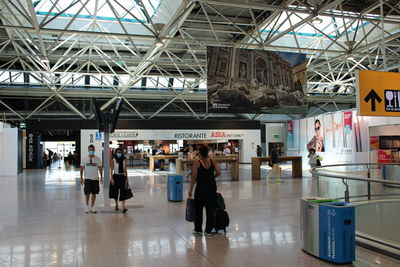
x=106, y=157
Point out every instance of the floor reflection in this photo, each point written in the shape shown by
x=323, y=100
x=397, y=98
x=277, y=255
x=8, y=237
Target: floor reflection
x=43, y=223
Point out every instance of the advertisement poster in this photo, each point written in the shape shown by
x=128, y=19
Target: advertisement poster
x=303, y=135
x=347, y=127
x=290, y=134
x=255, y=81
x=315, y=134
x=347, y=117
x=328, y=132
x=373, y=143
x=337, y=130
x=360, y=133
x=296, y=134
x=384, y=156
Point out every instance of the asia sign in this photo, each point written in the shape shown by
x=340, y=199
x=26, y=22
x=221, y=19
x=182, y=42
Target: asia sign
x=378, y=93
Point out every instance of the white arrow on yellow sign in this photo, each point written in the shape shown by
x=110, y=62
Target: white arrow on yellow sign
x=378, y=93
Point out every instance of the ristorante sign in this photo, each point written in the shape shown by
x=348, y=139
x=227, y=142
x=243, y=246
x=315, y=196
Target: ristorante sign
x=190, y=136
x=177, y=134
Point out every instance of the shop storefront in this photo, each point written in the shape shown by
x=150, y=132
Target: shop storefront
x=242, y=141
x=385, y=143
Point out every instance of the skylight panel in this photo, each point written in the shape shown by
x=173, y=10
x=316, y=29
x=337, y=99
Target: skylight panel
x=103, y=13
x=123, y=79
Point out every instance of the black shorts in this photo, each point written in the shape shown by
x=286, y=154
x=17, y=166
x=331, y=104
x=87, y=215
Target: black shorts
x=91, y=187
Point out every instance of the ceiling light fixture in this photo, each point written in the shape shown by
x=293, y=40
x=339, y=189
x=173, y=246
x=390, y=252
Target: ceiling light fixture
x=45, y=60
x=350, y=58
x=316, y=21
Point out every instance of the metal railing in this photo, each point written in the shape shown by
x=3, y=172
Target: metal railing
x=319, y=172
x=376, y=214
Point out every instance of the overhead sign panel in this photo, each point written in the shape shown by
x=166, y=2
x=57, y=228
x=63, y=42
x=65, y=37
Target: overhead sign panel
x=255, y=81
x=378, y=93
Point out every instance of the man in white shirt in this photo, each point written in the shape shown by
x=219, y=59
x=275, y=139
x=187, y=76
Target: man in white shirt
x=227, y=151
x=91, y=167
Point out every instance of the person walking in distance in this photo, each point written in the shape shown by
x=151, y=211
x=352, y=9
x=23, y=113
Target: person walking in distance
x=312, y=161
x=90, y=169
x=119, y=180
x=274, y=163
x=259, y=151
x=204, y=172
x=160, y=151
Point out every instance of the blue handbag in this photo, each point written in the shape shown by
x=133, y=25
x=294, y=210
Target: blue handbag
x=190, y=210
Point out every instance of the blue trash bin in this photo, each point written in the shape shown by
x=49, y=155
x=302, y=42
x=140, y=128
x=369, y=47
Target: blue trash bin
x=328, y=229
x=175, y=187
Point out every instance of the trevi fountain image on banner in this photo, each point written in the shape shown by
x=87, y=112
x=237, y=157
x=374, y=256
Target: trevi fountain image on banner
x=255, y=81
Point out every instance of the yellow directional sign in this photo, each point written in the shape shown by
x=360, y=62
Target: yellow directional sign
x=378, y=93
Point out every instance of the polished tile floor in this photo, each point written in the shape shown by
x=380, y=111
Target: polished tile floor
x=42, y=223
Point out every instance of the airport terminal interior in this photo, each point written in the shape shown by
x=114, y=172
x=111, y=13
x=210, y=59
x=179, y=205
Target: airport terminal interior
x=199, y=133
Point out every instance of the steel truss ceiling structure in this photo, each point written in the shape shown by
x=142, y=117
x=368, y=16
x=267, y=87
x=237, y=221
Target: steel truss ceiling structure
x=55, y=56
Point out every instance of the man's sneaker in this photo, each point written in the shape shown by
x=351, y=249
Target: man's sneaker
x=93, y=210
x=87, y=209
x=197, y=233
x=210, y=233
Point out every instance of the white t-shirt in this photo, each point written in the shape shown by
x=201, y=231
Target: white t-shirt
x=227, y=152
x=116, y=167
x=91, y=170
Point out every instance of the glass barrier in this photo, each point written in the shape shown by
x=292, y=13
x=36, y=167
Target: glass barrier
x=332, y=182
x=379, y=221
x=376, y=203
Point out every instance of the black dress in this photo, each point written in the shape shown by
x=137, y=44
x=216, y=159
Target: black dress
x=205, y=195
x=120, y=187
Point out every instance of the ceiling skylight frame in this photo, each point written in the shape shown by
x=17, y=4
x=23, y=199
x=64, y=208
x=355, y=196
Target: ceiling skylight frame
x=42, y=7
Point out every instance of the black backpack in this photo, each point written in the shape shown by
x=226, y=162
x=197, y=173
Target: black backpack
x=221, y=216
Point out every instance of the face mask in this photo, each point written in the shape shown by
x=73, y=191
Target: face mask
x=91, y=153
x=119, y=155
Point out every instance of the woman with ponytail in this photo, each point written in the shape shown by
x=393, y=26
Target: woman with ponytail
x=119, y=180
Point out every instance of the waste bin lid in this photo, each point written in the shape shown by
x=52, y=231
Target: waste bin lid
x=319, y=200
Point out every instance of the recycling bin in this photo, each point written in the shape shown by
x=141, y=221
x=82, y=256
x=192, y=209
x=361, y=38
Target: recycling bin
x=328, y=229
x=175, y=187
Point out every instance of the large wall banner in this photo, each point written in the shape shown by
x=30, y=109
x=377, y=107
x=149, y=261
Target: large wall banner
x=340, y=137
x=255, y=81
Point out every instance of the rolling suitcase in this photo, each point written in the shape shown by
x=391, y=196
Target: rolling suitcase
x=221, y=216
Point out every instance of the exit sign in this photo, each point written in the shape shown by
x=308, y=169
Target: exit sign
x=277, y=136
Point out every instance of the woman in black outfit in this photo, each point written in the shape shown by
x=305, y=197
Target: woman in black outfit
x=119, y=180
x=204, y=172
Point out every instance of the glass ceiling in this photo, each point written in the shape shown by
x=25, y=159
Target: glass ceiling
x=329, y=27
x=126, y=11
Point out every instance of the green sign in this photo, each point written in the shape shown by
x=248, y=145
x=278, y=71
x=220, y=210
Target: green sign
x=277, y=136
